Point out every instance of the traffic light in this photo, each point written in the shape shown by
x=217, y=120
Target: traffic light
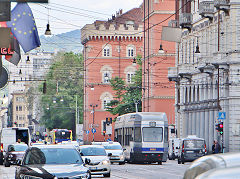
x=217, y=127
x=221, y=128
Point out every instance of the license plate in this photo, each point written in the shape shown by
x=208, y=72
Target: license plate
x=93, y=168
x=189, y=151
x=153, y=149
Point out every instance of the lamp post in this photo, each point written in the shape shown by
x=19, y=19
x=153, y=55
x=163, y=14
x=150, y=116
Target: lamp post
x=93, y=111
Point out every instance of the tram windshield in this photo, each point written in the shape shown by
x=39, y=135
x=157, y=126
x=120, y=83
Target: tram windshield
x=152, y=134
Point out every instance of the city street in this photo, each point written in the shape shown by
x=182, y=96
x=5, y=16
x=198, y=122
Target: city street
x=170, y=169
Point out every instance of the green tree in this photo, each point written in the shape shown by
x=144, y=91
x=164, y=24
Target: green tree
x=127, y=96
x=64, y=86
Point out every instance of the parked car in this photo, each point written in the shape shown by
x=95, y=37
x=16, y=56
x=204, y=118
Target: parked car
x=191, y=148
x=51, y=162
x=99, y=161
x=212, y=163
x=173, y=148
x=13, y=153
x=115, y=149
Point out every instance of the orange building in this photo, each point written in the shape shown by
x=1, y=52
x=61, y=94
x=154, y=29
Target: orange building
x=158, y=92
x=109, y=49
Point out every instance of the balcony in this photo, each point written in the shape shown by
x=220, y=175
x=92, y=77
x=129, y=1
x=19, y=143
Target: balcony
x=173, y=23
x=185, y=71
x=185, y=20
x=172, y=74
x=222, y=5
x=206, y=9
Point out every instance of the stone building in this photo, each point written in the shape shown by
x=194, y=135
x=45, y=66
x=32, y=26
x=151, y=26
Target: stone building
x=207, y=71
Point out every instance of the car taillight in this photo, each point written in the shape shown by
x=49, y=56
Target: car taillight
x=1, y=147
x=205, y=148
x=182, y=148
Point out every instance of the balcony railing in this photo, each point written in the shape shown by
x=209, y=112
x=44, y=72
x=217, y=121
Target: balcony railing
x=206, y=9
x=185, y=20
x=173, y=23
x=222, y=4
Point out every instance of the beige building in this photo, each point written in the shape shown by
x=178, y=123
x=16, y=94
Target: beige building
x=19, y=110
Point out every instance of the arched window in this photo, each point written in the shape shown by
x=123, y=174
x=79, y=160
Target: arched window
x=106, y=71
x=130, y=72
x=131, y=52
x=106, y=97
x=107, y=51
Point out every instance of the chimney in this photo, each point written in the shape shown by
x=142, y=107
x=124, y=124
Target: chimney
x=120, y=12
x=113, y=17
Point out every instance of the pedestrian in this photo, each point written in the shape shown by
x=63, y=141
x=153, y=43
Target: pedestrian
x=216, y=148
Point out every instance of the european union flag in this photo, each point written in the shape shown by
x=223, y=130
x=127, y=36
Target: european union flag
x=23, y=27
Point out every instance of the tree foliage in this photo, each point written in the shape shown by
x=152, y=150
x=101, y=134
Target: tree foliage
x=64, y=87
x=127, y=96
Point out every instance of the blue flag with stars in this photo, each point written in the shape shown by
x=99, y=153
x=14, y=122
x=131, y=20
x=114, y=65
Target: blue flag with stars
x=23, y=27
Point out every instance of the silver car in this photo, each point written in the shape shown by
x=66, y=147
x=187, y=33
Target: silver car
x=99, y=162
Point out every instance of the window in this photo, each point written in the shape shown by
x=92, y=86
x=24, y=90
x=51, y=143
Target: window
x=137, y=134
x=165, y=134
x=106, y=77
x=131, y=51
x=152, y=134
x=129, y=77
x=20, y=108
x=106, y=97
x=16, y=108
x=107, y=51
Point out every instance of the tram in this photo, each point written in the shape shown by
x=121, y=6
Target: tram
x=144, y=136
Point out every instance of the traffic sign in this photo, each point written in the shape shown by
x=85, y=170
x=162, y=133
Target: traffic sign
x=93, y=130
x=87, y=132
x=221, y=115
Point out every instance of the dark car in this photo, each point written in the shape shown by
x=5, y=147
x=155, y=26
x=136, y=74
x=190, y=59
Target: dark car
x=191, y=148
x=13, y=153
x=52, y=162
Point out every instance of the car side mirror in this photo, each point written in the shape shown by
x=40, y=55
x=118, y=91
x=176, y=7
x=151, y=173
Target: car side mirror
x=109, y=154
x=19, y=162
x=81, y=153
x=177, y=147
x=87, y=160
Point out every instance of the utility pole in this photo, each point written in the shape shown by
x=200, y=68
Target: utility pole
x=93, y=112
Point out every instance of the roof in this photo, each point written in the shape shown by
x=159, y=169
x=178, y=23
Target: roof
x=91, y=146
x=53, y=146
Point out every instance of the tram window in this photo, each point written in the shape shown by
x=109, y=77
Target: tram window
x=166, y=134
x=137, y=134
x=152, y=134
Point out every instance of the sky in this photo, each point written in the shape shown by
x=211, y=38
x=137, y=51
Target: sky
x=68, y=15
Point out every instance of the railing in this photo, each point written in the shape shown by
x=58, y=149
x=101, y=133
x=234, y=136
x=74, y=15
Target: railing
x=206, y=8
x=185, y=19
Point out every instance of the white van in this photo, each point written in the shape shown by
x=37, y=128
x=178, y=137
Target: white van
x=10, y=136
x=173, y=148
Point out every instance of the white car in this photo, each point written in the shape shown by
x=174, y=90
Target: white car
x=99, y=161
x=116, y=150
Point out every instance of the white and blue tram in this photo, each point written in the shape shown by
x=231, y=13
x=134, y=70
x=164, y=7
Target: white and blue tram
x=144, y=136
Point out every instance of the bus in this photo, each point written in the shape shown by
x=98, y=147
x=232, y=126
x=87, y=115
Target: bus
x=60, y=135
x=144, y=136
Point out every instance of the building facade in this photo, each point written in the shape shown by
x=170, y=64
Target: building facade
x=158, y=55
x=207, y=71
x=109, y=49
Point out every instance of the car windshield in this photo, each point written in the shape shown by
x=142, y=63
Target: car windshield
x=113, y=147
x=152, y=134
x=189, y=144
x=93, y=151
x=53, y=156
x=63, y=134
x=18, y=148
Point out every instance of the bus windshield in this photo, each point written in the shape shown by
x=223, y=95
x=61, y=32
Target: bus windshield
x=152, y=134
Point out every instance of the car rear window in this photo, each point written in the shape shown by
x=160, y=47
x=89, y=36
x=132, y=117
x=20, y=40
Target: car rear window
x=189, y=144
x=112, y=147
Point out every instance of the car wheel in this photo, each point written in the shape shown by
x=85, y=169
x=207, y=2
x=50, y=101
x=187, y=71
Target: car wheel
x=107, y=175
x=182, y=160
x=6, y=164
x=179, y=161
x=170, y=158
x=160, y=163
x=173, y=157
